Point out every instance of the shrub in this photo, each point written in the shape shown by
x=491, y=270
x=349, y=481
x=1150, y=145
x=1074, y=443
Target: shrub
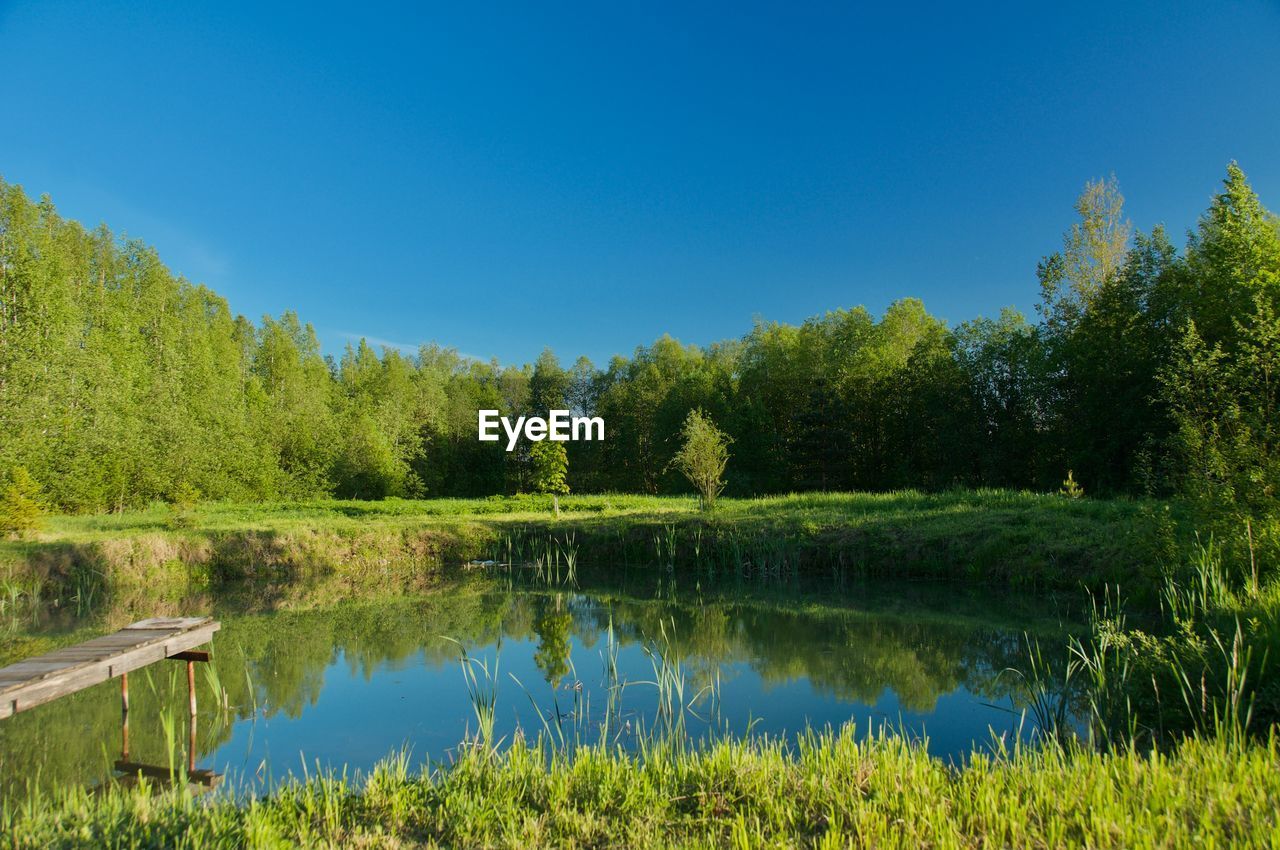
x=22, y=504
x=703, y=457
x=182, y=505
x=1070, y=487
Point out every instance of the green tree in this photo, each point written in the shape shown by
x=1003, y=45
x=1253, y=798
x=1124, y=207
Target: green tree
x=382, y=415
x=1003, y=362
x=1085, y=313
x=1093, y=252
x=703, y=457
x=1233, y=255
x=1221, y=383
x=292, y=400
x=549, y=384
x=549, y=470
x=22, y=504
x=1226, y=411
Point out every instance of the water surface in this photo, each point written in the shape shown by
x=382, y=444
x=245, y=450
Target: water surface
x=346, y=685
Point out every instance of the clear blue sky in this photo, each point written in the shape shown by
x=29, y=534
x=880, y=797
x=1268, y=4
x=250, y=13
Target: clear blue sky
x=591, y=175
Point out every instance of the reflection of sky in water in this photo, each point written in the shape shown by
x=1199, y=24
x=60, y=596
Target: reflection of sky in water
x=365, y=679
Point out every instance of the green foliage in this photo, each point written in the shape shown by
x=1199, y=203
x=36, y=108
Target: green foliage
x=1226, y=407
x=182, y=505
x=1233, y=257
x=548, y=384
x=1202, y=666
x=549, y=468
x=368, y=466
x=703, y=457
x=1149, y=372
x=1070, y=487
x=22, y=503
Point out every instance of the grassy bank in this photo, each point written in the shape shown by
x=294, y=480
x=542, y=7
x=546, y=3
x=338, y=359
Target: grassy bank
x=1016, y=539
x=831, y=790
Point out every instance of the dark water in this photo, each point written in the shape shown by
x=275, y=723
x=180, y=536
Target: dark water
x=349, y=684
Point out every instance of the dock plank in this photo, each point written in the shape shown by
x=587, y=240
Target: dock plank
x=38, y=680
x=166, y=623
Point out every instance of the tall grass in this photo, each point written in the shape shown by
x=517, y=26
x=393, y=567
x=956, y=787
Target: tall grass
x=1227, y=710
x=1046, y=691
x=482, y=692
x=1197, y=670
x=562, y=729
x=829, y=789
x=550, y=556
x=20, y=602
x=1106, y=664
x=1190, y=594
x=674, y=701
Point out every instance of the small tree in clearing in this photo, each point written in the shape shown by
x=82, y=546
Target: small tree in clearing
x=703, y=456
x=549, y=464
x=22, y=504
x=1070, y=487
x=183, y=500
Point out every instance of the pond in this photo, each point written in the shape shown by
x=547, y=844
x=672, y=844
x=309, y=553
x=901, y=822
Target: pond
x=293, y=691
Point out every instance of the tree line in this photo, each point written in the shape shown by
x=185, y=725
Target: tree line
x=1147, y=370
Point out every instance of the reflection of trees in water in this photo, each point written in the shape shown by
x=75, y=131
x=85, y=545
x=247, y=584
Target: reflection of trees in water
x=287, y=653
x=273, y=661
x=552, y=628
x=843, y=652
x=854, y=657
x=921, y=644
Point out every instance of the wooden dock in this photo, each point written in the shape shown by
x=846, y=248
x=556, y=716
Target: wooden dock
x=46, y=677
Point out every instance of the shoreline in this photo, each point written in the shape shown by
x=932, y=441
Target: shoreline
x=1003, y=538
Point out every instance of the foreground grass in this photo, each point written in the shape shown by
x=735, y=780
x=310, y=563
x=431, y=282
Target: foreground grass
x=829, y=790
x=1000, y=537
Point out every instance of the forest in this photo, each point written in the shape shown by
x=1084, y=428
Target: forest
x=194, y=460
x=1148, y=369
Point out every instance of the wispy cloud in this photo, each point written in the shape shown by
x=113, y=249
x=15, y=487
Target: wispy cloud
x=184, y=246
x=402, y=347
x=377, y=342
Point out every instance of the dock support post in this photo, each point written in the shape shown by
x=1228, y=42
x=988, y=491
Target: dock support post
x=191, y=694
x=124, y=716
x=191, y=685
x=191, y=748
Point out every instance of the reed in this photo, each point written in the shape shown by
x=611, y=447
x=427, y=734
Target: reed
x=828, y=788
x=1198, y=670
x=1223, y=708
x=20, y=602
x=1045, y=691
x=482, y=692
